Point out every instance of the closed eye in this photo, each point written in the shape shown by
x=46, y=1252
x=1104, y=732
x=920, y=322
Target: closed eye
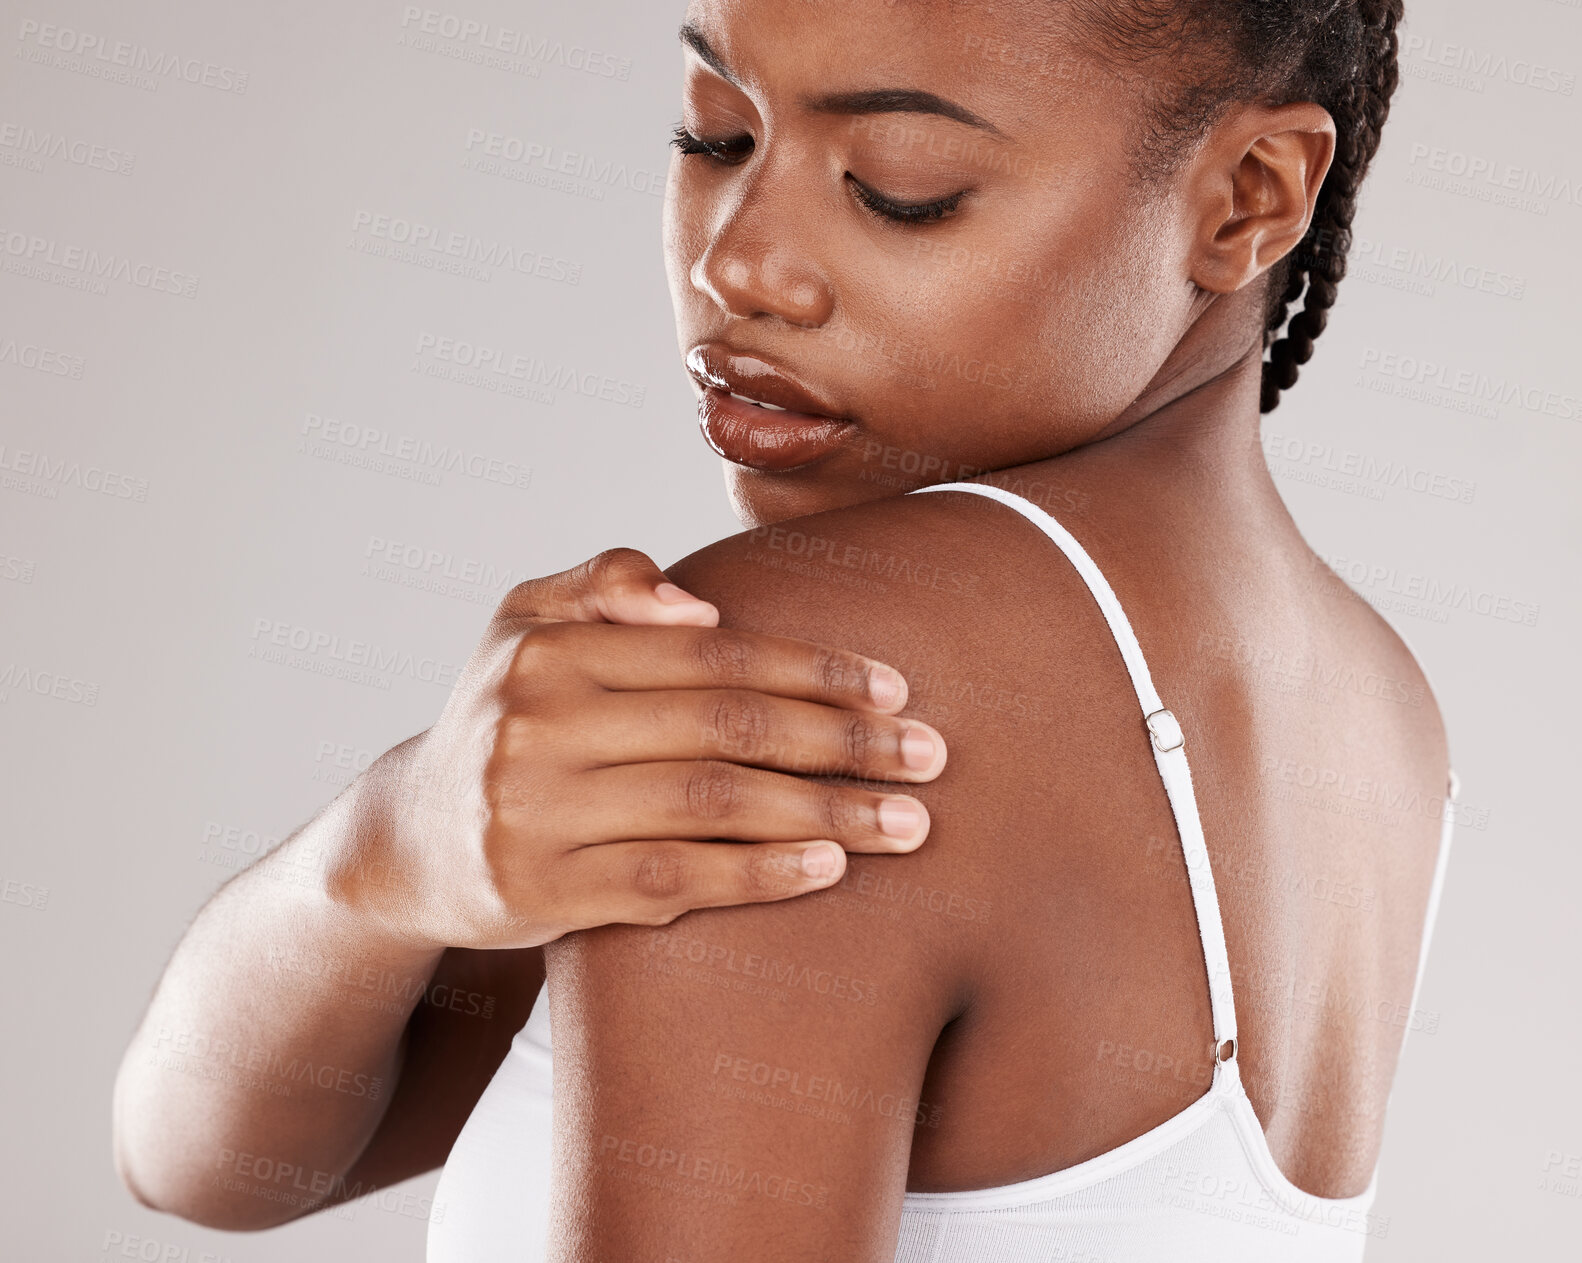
x=727, y=150
x=904, y=212
x=734, y=149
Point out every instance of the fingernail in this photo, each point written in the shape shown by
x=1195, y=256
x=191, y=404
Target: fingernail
x=670, y=594
x=820, y=862
x=900, y=817
x=885, y=685
x=918, y=748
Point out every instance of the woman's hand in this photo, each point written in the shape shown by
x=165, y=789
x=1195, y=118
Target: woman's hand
x=604, y=726
x=603, y=729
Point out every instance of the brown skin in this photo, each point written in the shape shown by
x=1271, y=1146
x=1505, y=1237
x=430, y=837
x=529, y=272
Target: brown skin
x=1124, y=399
x=1133, y=299
x=396, y=939
x=1132, y=414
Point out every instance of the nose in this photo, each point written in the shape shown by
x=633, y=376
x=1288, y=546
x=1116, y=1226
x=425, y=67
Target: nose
x=757, y=263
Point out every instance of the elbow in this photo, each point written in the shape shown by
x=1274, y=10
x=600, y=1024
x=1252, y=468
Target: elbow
x=158, y=1184
x=129, y=1181
x=166, y=1172
x=152, y=1192
x=172, y=1189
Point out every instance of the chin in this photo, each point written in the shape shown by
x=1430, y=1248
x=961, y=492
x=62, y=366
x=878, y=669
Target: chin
x=762, y=499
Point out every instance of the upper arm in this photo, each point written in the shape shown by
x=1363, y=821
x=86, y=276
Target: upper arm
x=744, y=1082
x=454, y=1041
x=738, y=1080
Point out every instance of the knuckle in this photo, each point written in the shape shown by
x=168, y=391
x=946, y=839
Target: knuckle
x=540, y=646
x=835, y=674
x=767, y=874
x=660, y=874
x=521, y=601
x=711, y=791
x=516, y=741
x=723, y=656
x=736, y=721
x=512, y=739
x=613, y=567
x=509, y=871
x=843, y=813
x=860, y=740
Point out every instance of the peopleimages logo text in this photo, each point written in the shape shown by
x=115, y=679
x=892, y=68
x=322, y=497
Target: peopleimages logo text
x=40, y=252
x=128, y=56
x=514, y=43
x=1482, y=169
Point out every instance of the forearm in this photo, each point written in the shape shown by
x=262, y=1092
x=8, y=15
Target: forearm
x=272, y=1044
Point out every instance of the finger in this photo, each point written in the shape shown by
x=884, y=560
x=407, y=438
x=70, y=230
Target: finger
x=620, y=585
x=707, y=799
x=743, y=726
x=647, y=658
x=652, y=883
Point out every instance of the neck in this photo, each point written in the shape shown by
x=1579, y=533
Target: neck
x=1196, y=423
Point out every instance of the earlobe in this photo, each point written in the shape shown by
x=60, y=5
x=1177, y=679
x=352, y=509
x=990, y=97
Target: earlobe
x=1257, y=183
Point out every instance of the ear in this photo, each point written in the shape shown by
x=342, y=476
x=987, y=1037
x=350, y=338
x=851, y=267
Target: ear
x=1256, y=182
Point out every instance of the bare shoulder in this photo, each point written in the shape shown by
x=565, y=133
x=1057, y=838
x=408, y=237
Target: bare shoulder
x=876, y=565
x=1004, y=652
x=760, y=1069
x=1380, y=676
x=951, y=588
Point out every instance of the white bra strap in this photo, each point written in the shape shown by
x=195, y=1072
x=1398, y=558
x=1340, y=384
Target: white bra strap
x=1169, y=749
x=1447, y=827
x=1434, y=892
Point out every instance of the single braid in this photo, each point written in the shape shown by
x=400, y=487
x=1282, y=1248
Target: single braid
x=1201, y=56
x=1319, y=263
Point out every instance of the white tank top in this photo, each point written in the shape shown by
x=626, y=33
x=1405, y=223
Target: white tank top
x=1202, y=1187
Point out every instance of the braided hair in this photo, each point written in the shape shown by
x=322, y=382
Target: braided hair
x=1199, y=57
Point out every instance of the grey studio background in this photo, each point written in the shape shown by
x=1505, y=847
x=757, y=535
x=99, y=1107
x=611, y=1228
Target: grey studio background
x=211, y=489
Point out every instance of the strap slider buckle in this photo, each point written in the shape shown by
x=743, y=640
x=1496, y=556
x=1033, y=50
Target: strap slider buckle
x=1166, y=732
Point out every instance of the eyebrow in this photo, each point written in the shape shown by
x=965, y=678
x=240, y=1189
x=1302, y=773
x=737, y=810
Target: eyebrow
x=870, y=101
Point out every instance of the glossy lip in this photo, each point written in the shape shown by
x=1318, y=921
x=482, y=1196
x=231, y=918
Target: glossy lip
x=760, y=438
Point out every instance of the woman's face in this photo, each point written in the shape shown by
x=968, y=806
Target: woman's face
x=915, y=218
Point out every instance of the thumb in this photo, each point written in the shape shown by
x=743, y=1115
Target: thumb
x=682, y=607
x=625, y=586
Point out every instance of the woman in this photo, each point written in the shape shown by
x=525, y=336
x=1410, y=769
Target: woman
x=1121, y=1006
x=1045, y=241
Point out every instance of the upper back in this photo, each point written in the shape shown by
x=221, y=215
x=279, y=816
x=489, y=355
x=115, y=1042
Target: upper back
x=1053, y=890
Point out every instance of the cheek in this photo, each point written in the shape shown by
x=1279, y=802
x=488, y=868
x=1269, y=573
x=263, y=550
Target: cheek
x=1058, y=323
x=1089, y=312
x=677, y=239
x=685, y=221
